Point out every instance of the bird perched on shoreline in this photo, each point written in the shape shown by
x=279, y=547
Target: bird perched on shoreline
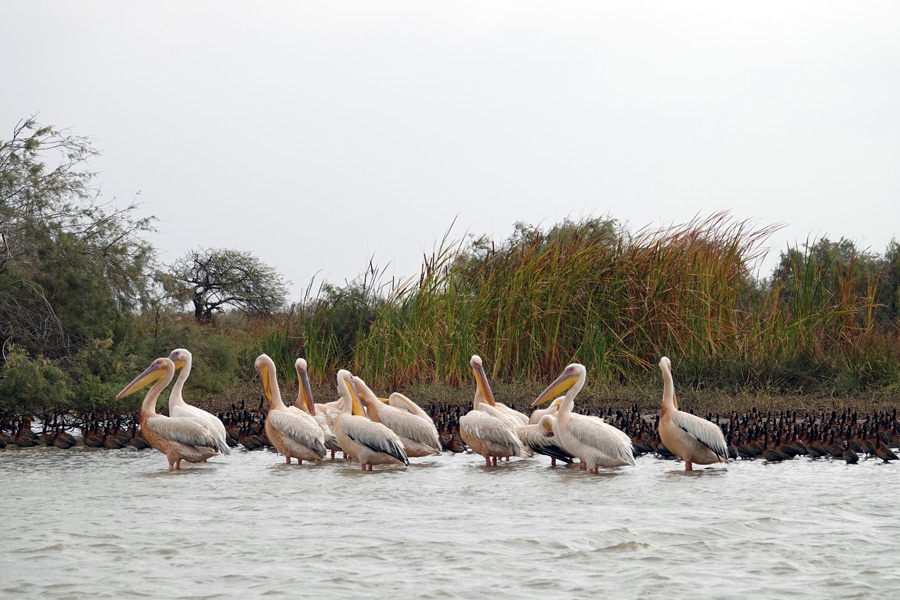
x=692, y=438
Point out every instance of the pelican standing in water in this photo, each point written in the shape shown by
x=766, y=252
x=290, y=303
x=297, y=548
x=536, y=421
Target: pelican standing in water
x=179, y=408
x=595, y=442
x=179, y=438
x=516, y=417
x=305, y=403
x=693, y=439
x=486, y=430
x=293, y=432
x=365, y=441
x=416, y=430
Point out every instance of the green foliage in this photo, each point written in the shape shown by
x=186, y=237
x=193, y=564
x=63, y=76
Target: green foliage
x=72, y=268
x=31, y=383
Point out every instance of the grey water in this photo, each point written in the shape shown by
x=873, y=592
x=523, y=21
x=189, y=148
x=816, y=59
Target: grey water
x=117, y=524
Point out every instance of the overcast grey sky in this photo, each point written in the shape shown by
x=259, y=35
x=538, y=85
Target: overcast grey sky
x=318, y=135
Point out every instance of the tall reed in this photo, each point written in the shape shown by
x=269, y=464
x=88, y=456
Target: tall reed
x=592, y=293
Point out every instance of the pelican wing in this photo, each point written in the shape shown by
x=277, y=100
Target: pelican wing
x=491, y=429
x=330, y=440
x=410, y=426
x=707, y=433
x=186, y=430
x=374, y=436
x=599, y=434
x=299, y=427
x=532, y=437
x=212, y=421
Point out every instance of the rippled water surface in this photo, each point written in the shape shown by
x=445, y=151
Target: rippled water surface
x=115, y=523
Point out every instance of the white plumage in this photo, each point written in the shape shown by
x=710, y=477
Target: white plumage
x=595, y=442
x=179, y=408
x=179, y=438
x=418, y=433
x=543, y=437
x=305, y=404
x=294, y=433
x=487, y=430
x=364, y=441
x=692, y=438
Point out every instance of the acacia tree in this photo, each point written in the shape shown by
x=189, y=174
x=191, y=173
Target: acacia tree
x=212, y=279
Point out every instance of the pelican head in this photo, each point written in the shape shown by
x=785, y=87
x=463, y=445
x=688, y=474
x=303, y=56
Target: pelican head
x=264, y=365
x=572, y=374
x=481, y=380
x=347, y=386
x=545, y=425
x=305, y=388
x=665, y=364
x=300, y=365
x=158, y=369
x=180, y=357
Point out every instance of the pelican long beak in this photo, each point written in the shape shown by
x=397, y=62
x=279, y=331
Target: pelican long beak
x=306, y=391
x=481, y=381
x=560, y=386
x=151, y=374
x=267, y=387
x=359, y=408
x=180, y=364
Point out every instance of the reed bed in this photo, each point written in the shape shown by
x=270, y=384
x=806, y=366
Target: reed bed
x=593, y=293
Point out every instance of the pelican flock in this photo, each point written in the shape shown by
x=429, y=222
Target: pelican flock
x=373, y=431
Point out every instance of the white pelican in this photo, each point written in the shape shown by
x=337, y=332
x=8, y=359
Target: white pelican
x=591, y=439
x=517, y=418
x=293, y=432
x=418, y=433
x=179, y=408
x=693, y=439
x=365, y=441
x=542, y=437
x=179, y=438
x=305, y=403
x=486, y=430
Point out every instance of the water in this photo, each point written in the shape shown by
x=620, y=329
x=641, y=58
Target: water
x=116, y=524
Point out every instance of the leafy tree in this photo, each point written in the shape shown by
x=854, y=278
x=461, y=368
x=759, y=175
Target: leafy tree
x=72, y=267
x=215, y=278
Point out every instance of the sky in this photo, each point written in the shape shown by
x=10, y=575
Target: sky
x=322, y=135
